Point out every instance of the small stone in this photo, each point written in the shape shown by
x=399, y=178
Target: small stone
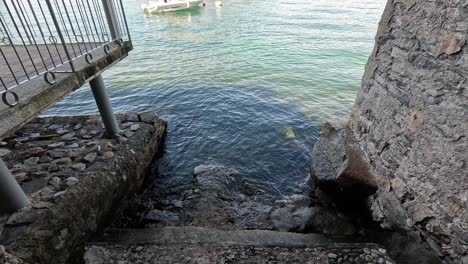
x=368, y=258
x=21, y=139
x=132, y=117
x=91, y=157
x=35, y=135
x=109, y=146
x=74, y=145
x=134, y=127
x=62, y=131
x=129, y=133
x=148, y=117
x=138, y=249
x=3, y=144
x=380, y=261
x=29, y=152
x=79, y=166
x=71, y=181
x=62, y=161
x=332, y=255
x=2, y=250
x=58, y=154
x=59, y=194
x=388, y=262
x=68, y=136
x=56, y=182
x=108, y=155
x=178, y=204
x=31, y=161
x=56, y=145
x=44, y=159
x=78, y=126
x=4, y=152
x=383, y=251
x=41, y=205
x=367, y=251
x=94, y=132
x=87, y=136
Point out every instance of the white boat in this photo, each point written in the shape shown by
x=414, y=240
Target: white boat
x=158, y=6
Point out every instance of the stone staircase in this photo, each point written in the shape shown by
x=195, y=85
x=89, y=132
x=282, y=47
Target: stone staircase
x=205, y=245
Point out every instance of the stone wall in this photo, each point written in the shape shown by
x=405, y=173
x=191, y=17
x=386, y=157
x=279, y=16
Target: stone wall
x=411, y=122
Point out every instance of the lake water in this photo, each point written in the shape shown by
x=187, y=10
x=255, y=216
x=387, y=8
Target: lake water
x=236, y=83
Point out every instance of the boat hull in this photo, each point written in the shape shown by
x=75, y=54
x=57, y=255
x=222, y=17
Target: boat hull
x=170, y=7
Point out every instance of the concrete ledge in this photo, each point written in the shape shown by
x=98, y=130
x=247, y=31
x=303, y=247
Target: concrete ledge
x=75, y=179
x=204, y=245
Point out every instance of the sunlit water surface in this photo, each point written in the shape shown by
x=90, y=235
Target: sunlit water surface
x=233, y=82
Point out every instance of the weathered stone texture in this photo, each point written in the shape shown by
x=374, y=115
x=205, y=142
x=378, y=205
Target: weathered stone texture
x=411, y=120
x=65, y=167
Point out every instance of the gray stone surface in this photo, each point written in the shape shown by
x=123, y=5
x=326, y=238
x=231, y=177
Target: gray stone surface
x=71, y=200
x=204, y=245
x=411, y=121
x=338, y=165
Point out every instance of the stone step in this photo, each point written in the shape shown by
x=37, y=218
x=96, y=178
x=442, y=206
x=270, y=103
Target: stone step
x=204, y=245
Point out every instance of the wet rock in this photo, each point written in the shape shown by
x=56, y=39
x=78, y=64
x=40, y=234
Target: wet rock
x=58, y=153
x=78, y=126
x=69, y=136
x=128, y=133
x=74, y=145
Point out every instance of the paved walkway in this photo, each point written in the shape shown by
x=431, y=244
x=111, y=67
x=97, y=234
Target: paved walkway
x=203, y=245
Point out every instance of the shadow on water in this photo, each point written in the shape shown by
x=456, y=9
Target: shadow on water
x=248, y=129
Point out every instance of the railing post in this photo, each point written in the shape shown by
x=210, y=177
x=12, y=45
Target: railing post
x=111, y=16
x=12, y=197
x=104, y=105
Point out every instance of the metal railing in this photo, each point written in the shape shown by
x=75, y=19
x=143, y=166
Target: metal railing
x=46, y=37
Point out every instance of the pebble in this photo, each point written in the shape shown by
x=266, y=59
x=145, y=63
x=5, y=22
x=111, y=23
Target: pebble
x=56, y=182
x=134, y=127
x=91, y=157
x=56, y=145
x=74, y=145
x=59, y=194
x=68, y=136
x=108, y=155
x=4, y=152
x=140, y=248
x=21, y=139
x=3, y=144
x=41, y=205
x=31, y=161
x=71, y=181
x=44, y=159
x=367, y=251
x=79, y=166
x=383, y=251
x=129, y=133
x=332, y=255
x=2, y=250
x=78, y=126
x=62, y=161
x=87, y=136
x=62, y=131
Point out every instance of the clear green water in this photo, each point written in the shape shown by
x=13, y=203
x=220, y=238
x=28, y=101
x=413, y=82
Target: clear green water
x=232, y=80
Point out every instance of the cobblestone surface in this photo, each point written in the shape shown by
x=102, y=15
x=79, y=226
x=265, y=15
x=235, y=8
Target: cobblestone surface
x=74, y=176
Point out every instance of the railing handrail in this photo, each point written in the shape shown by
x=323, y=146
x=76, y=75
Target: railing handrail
x=42, y=37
